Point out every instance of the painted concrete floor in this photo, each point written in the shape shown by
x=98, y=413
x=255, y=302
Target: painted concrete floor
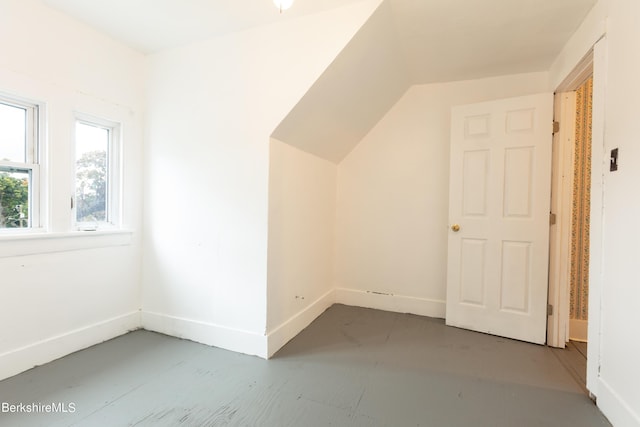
x=351, y=367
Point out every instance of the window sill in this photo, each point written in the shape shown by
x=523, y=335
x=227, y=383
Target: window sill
x=34, y=243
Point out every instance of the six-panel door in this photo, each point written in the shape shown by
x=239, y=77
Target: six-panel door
x=500, y=196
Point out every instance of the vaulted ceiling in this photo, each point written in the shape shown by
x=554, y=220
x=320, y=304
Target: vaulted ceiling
x=404, y=42
x=408, y=42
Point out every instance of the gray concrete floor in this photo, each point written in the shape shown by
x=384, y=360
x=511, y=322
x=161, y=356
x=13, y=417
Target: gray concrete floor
x=351, y=367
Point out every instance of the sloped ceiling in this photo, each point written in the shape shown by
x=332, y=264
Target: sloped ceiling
x=404, y=42
x=353, y=94
x=468, y=39
x=408, y=42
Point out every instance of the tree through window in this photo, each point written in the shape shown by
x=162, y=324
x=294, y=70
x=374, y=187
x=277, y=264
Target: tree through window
x=18, y=164
x=95, y=174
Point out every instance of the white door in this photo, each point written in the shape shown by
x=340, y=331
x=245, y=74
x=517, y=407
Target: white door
x=499, y=198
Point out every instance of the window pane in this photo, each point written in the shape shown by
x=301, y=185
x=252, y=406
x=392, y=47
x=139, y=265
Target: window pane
x=14, y=199
x=13, y=133
x=92, y=147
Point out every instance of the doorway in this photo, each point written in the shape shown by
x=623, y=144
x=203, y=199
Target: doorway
x=580, y=215
x=570, y=225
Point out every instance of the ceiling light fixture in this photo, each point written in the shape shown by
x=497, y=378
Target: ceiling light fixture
x=283, y=4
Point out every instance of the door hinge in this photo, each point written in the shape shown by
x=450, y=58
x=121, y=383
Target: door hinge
x=549, y=310
x=556, y=127
x=71, y=202
x=552, y=218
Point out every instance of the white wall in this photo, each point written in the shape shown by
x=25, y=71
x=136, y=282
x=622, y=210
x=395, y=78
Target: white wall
x=212, y=107
x=619, y=393
x=63, y=290
x=392, y=208
x=614, y=349
x=302, y=210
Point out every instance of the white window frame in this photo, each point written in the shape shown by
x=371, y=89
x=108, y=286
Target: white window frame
x=114, y=191
x=31, y=164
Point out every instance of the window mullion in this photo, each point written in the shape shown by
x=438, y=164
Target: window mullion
x=31, y=135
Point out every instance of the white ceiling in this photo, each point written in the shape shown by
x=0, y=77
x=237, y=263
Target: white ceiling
x=446, y=40
x=405, y=42
x=353, y=93
x=153, y=25
x=409, y=42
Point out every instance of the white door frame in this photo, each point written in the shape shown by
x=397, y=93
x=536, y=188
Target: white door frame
x=595, y=62
x=561, y=206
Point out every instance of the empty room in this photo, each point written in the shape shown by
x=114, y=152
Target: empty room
x=313, y=213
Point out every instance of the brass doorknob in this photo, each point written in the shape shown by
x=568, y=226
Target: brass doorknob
x=455, y=227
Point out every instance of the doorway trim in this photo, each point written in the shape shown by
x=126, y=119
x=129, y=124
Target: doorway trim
x=593, y=62
x=561, y=206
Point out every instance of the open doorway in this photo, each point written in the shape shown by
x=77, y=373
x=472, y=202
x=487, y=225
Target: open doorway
x=569, y=263
x=580, y=216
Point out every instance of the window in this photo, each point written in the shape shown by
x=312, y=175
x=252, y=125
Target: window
x=19, y=169
x=96, y=174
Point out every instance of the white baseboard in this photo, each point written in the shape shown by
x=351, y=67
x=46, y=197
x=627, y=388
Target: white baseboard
x=615, y=408
x=578, y=330
x=206, y=333
x=395, y=303
x=286, y=331
x=22, y=359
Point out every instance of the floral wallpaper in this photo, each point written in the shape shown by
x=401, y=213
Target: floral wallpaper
x=581, y=204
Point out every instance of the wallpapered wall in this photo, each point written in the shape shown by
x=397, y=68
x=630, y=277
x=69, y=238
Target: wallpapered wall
x=581, y=204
